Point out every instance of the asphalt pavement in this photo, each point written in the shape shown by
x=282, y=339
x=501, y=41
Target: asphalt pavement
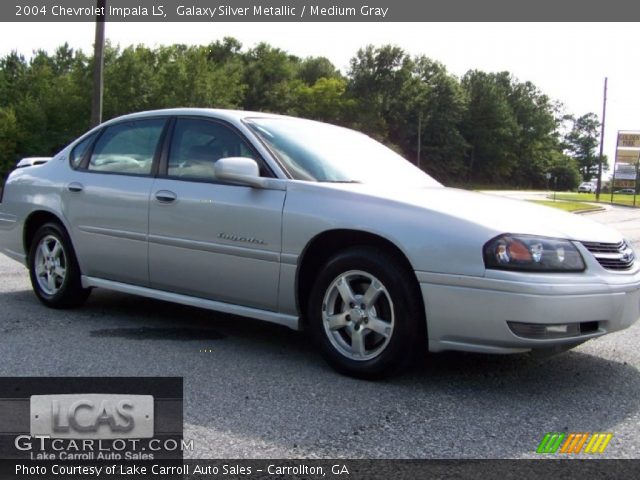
x=254, y=390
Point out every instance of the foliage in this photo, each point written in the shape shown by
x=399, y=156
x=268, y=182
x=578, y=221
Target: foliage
x=564, y=173
x=581, y=143
x=481, y=128
x=489, y=126
x=8, y=139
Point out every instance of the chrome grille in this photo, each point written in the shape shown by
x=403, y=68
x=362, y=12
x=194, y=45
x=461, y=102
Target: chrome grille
x=612, y=256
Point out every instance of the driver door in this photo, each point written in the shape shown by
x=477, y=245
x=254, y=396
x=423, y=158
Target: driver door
x=210, y=239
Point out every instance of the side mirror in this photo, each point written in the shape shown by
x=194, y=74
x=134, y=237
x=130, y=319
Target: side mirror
x=240, y=170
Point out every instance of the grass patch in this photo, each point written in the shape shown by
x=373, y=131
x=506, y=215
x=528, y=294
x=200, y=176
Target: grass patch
x=566, y=206
x=604, y=198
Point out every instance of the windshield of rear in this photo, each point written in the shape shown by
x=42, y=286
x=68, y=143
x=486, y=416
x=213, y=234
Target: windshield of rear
x=326, y=153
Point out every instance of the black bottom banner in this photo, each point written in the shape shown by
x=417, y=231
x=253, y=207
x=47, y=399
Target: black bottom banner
x=323, y=469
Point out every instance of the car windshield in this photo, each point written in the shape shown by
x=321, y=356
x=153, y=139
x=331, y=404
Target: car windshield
x=321, y=152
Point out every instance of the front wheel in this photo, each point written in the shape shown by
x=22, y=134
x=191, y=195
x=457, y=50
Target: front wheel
x=54, y=270
x=365, y=313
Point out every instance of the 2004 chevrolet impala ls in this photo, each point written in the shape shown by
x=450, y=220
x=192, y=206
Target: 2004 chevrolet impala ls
x=311, y=226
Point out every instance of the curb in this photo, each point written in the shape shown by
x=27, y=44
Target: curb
x=589, y=210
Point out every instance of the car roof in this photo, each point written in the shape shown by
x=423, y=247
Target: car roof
x=213, y=112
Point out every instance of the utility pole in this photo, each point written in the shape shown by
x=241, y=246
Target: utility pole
x=419, y=137
x=98, y=66
x=604, y=114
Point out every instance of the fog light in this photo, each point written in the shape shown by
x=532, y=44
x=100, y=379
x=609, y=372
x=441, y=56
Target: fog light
x=540, y=331
x=557, y=328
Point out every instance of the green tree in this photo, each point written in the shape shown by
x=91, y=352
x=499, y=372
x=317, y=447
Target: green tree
x=12, y=70
x=267, y=74
x=8, y=141
x=536, y=142
x=325, y=100
x=489, y=127
x=380, y=83
x=129, y=80
x=581, y=144
x=564, y=171
x=440, y=106
x=312, y=69
x=222, y=52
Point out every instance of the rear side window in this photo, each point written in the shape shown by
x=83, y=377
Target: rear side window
x=127, y=148
x=78, y=152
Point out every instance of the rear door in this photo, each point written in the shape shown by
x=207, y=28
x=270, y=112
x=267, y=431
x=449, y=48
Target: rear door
x=106, y=200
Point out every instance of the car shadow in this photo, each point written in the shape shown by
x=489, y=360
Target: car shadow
x=186, y=322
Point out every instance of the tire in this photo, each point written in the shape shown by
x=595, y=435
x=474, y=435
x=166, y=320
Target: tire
x=54, y=270
x=365, y=314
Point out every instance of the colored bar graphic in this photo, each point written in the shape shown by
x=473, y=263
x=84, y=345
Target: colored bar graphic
x=569, y=443
x=551, y=442
x=598, y=442
x=581, y=443
x=574, y=442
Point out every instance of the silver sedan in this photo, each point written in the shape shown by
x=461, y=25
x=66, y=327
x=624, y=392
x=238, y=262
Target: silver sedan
x=311, y=226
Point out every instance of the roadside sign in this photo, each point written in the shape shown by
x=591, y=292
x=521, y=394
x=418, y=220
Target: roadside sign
x=627, y=161
x=624, y=155
x=628, y=139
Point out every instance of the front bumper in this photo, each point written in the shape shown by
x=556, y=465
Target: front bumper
x=473, y=313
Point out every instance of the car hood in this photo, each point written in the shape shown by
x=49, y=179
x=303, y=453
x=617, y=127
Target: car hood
x=500, y=214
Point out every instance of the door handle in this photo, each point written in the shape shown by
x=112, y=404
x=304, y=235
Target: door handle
x=165, y=196
x=75, y=187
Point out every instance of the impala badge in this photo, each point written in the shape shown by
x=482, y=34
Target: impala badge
x=240, y=238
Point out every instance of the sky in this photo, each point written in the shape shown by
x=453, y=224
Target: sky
x=567, y=61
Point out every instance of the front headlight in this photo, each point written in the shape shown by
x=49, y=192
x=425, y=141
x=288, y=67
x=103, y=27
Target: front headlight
x=525, y=252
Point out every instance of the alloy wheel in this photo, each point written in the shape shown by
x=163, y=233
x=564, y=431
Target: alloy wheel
x=358, y=315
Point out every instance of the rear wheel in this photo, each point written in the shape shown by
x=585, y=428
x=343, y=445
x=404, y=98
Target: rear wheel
x=53, y=269
x=365, y=313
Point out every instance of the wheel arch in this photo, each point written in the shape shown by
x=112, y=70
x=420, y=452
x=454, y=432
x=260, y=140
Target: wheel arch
x=327, y=244
x=34, y=221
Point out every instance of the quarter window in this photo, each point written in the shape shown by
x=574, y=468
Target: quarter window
x=127, y=147
x=198, y=144
x=78, y=152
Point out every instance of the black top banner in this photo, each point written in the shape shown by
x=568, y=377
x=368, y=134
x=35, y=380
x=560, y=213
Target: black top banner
x=317, y=10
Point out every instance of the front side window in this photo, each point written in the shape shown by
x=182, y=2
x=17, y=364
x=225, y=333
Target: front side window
x=127, y=147
x=198, y=144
